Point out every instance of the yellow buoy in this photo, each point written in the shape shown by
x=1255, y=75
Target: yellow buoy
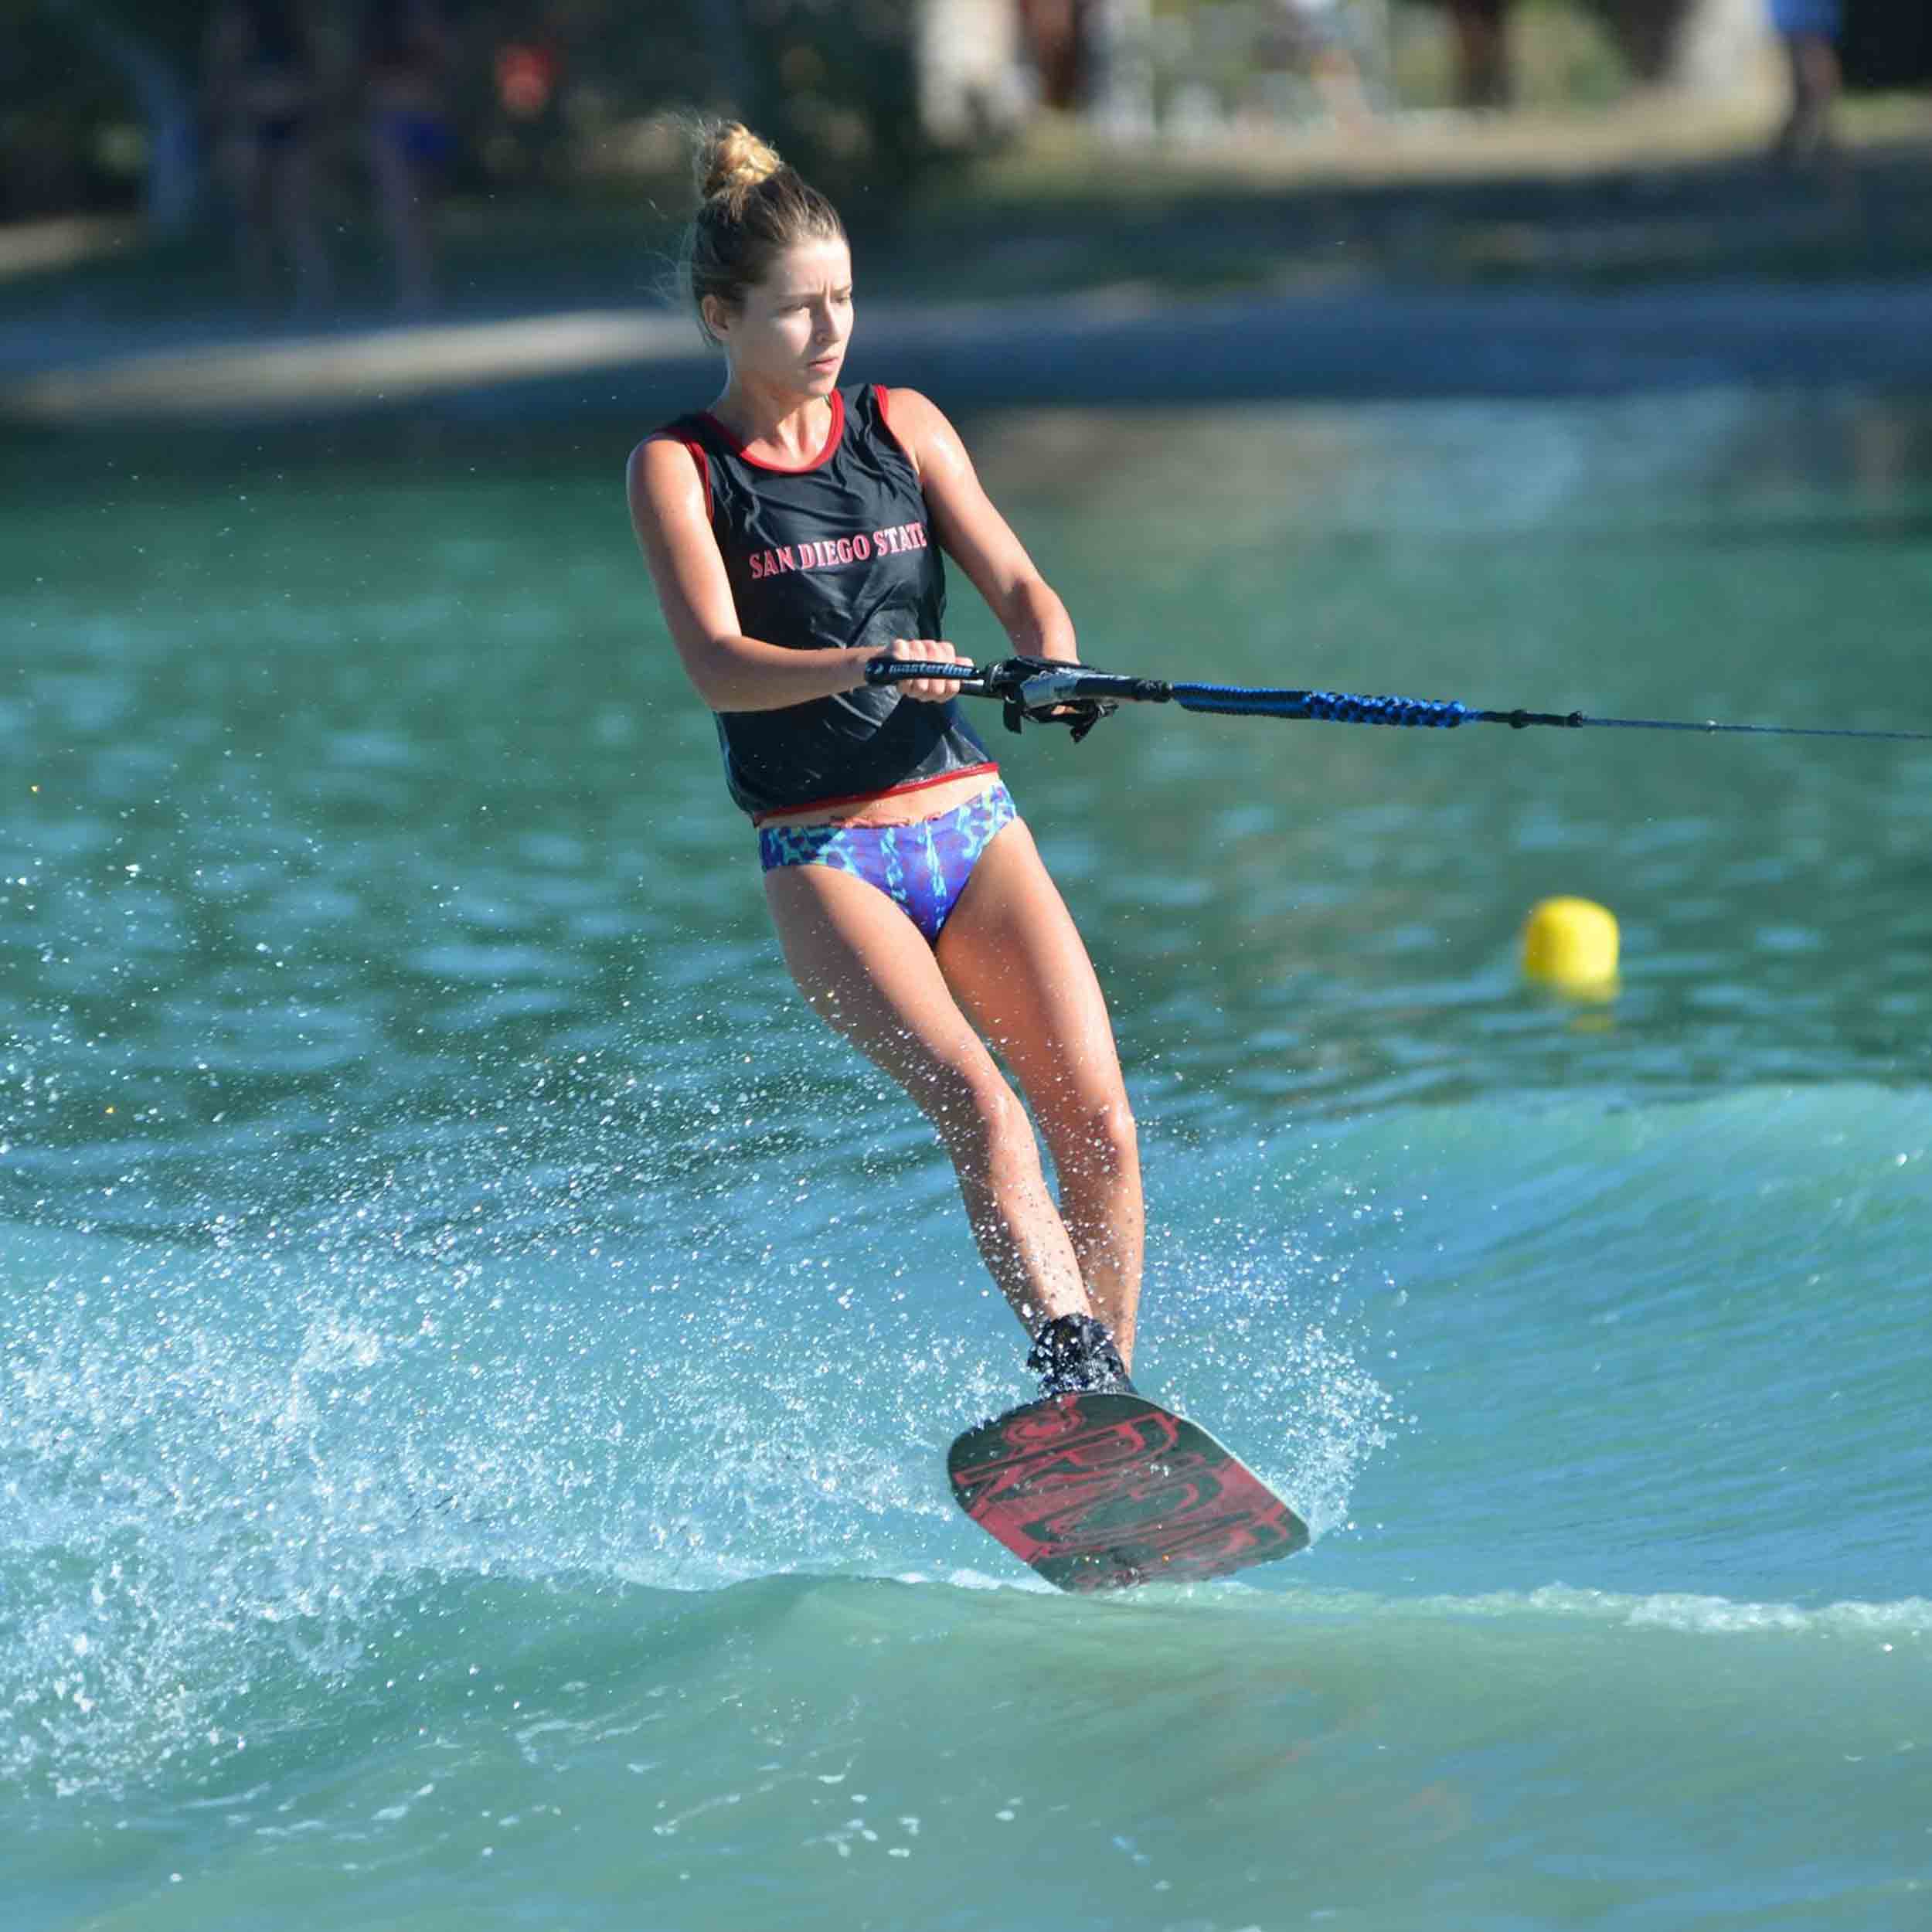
x=1570, y=944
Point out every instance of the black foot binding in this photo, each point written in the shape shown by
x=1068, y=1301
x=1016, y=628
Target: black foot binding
x=1075, y=1355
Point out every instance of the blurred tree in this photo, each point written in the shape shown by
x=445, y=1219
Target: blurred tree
x=565, y=91
x=1887, y=45
x=733, y=45
x=102, y=99
x=1482, y=52
x=1057, y=37
x=834, y=82
x=1646, y=32
x=149, y=53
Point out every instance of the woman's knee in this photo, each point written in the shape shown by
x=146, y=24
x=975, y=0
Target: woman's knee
x=978, y=1116
x=1097, y=1137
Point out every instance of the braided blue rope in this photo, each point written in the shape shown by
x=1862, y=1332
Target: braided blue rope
x=1328, y=707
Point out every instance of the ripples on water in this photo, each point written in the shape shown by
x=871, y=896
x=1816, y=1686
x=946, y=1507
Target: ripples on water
x=347, y=794
x=434, y=1231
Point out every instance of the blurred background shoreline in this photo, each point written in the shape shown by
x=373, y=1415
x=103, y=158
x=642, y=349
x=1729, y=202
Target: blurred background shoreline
x=1096, y=202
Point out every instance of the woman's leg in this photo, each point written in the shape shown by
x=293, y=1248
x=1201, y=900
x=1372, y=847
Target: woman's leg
x=868, y=973
x=402, y=189
x=294, y=200
x=1014, y=960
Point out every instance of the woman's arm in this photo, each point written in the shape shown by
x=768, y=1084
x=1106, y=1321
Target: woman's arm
x=974, y=534
x=729, y=670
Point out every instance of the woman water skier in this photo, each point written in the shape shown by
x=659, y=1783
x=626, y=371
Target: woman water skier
x=793, y=533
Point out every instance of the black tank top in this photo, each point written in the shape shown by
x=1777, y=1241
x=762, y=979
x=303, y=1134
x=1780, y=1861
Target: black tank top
x=836, y=553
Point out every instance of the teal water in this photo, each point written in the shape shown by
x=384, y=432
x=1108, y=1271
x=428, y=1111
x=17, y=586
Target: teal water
x=478, y=1361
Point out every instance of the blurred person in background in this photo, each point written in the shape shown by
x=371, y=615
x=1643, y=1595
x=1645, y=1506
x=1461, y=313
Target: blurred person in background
x=263, y=89
x=1481, y=32
x=407, y=53
x=1319, y=36
x=1809, y=30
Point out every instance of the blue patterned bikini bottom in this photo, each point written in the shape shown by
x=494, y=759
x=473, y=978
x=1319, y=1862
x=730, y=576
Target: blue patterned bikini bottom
x=922, y=867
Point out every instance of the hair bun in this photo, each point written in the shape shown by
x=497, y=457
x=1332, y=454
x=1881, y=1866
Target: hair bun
x=732, y=161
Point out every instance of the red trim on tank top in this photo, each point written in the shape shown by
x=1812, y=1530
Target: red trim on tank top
x=824, y=456
x=869, y=797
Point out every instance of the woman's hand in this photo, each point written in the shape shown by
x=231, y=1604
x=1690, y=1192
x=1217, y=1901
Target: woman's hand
x=925, y=651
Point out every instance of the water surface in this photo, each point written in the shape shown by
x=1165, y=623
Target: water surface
x=478, y=1359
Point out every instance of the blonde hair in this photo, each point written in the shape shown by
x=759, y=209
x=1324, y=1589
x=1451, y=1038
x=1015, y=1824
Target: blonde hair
x=751, y=207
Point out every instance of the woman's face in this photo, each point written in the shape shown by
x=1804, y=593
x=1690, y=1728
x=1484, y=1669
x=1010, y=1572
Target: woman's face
x=792, y=331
